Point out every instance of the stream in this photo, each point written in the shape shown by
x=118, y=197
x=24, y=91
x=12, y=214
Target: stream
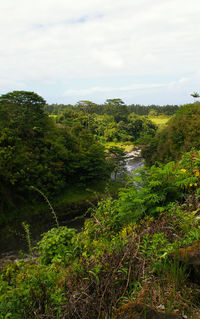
x=12, y=238
x=133, y=161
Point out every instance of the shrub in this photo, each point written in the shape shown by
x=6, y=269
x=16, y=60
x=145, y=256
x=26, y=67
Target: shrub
x=179, y=135
x=58, y=244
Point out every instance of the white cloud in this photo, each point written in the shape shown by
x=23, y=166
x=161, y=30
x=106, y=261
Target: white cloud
x=113, y=89
x=50, y=41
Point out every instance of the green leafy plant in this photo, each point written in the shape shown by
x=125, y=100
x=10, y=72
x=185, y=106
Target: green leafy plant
x=58, y=245
x=29, y=292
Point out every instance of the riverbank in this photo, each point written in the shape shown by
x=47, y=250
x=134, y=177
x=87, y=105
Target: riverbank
x=71, y=209
x=121, y=259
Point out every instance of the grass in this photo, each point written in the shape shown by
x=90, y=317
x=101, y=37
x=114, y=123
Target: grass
x=126, y=146
x=160, y=120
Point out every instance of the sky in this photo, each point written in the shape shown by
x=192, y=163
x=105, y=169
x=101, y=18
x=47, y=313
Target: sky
x=142, y=51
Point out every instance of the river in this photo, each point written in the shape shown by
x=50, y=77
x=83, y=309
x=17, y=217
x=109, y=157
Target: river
x=12, y=238
x=133, y=161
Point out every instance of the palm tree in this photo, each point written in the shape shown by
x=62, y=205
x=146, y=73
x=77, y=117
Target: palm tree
x=195, y=95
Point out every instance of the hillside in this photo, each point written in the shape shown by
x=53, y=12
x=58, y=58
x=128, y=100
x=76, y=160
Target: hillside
x=180, y=134
x=127, y=253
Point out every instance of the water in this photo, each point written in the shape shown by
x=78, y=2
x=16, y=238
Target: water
x=12, y=238
x=133, y=161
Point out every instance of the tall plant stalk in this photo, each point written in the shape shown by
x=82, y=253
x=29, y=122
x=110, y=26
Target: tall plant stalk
x=49, y=204
x=28, y=236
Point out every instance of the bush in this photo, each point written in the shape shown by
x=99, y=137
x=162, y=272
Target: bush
x=57, y=245
x=29, y=291
x=179, y=135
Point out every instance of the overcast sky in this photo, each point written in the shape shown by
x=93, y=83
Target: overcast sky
x=142, y=51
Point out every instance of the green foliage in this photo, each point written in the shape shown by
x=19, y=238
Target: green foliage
x=160, y=120
x=57, y=245
x=155, y=248
x=91, y=107
x=110, y=265
x=86, y=106
x=140, y=127
x=28, y=291
x=117, y=160
x=23, y=112
x=28, y=236
x=115, y=256
x=180, y=135
x=36, y=151
x=153, y=190
x=127, y=247
x=115, y=125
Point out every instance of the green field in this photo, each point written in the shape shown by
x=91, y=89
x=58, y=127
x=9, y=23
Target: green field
x=160, y=120
x=126, y=146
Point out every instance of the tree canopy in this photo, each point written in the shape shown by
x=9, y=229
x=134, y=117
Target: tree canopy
x=180, y=135
x=24, y=98
x=35, y=151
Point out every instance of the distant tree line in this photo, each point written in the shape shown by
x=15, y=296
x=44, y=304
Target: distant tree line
x=109, y=107
x=115, y=125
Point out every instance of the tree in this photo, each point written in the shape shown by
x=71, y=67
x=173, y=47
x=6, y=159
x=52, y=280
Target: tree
x=139, y=126
x=24, y=98
x=87, y=106
x=116, y=108
x=117, y=160
x=34, y=151
x=153, y=112
x=195, y=95
x=23, y=111
x=180, y=135
x=30, y=151
x=114, y=102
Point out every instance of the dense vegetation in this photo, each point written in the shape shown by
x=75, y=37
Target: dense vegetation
x=126, y=252
x=180, y=135
x=34, y=151
x=54, y=154
x=109, y=108
x=107, y=128
x=130, y=255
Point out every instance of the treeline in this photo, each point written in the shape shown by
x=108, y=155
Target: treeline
x=109, y=107
x=112, y=123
